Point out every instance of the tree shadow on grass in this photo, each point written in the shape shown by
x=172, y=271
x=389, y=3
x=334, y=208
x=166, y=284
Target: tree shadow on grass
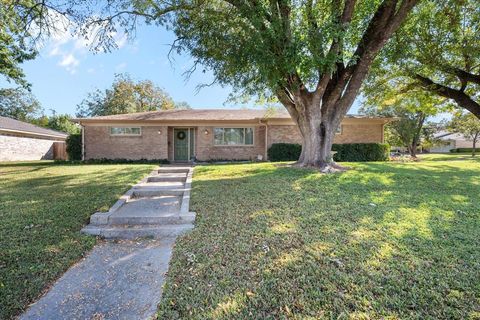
x=379, y=241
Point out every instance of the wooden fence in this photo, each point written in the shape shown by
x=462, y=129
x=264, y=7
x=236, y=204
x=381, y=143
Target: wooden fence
x=60, y=151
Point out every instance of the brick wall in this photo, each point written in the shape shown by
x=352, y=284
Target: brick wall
x=206, y=150
x=150, y=145
x=351, y=133
x=14, y=148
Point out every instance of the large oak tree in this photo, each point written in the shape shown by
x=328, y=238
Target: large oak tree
x=313, y=56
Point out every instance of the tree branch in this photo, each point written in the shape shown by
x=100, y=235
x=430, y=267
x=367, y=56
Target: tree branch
x=463, y=100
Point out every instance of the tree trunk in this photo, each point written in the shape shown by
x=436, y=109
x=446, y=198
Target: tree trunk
x=412, y=150
x=474, y=146
x=317, y=145
x=318, y=131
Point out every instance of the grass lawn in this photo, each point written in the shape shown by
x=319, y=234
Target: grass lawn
x=381, y=241
x=43, y=206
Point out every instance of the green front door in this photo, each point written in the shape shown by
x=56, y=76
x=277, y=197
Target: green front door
x=181, y=144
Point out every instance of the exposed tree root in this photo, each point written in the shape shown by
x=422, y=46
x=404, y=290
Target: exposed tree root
x=330, y=167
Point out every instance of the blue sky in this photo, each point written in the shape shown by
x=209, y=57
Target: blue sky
x=65, y=71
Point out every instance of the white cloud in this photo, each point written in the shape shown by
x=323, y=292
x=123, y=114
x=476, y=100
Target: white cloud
x=91, y=70
x=71, y=49
x=121, y=66
x=70, y=63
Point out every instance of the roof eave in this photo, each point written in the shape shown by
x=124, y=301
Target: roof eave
x=34, y=133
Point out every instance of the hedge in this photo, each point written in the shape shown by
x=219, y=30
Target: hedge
x=359, y=152
x=459, y=150
x=284, y=152
x=74, y=146
x=349, y=152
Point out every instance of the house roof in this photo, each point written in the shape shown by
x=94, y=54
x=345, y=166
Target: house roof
x=204, y=115
x=446, y=135
x=16, y=126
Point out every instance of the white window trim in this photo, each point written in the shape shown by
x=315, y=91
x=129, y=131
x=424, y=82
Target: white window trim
x=124, y=135
x=234, y=145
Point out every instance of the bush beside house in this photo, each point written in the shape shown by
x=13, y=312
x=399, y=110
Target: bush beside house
x=74, y=146
x=284, y=152
x=359, y=152
x=348, y=152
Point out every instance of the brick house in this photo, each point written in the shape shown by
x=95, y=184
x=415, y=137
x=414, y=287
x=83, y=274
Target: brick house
x=22, y=141
x=209, y=134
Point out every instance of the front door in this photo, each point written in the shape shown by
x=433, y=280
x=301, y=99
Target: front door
x=181, y=145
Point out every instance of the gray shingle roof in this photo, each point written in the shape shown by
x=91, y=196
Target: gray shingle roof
x=201, y=114
x=13, y=125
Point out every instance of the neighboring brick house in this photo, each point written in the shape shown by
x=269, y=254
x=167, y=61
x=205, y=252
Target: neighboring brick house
x=209, y=134
x=24, y=141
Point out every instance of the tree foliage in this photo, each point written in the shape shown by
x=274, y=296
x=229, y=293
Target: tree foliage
x=20, y=104
x=126, y=96
x=468, y=125
x=437, y=50
x=410, y=109
x=63, y=122
x=16, y=46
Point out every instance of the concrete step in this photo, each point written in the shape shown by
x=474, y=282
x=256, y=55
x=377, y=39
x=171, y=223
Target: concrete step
x=168, y=177
x=166, y=219
x=160, y=185
x=173, y=170
x=150, y=206
x=140, y=231
x=156, y=192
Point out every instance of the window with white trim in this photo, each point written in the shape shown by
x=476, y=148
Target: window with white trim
x=233, y=136
x=339, y=129
x=125, y=131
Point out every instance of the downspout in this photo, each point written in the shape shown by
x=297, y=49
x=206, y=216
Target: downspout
x=266, y=139
x=83, y=142
x=383, y=132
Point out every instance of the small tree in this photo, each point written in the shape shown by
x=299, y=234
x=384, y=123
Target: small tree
x=126, y=96
x=410, y=110
x=468, y=125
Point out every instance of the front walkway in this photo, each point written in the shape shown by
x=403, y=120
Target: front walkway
x=122, y=279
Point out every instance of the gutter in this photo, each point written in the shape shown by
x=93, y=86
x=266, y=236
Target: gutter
x=34, y=133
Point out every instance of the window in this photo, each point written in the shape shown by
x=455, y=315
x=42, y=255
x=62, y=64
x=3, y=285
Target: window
x=339, y=129
x=233, y=136
x=125, y=131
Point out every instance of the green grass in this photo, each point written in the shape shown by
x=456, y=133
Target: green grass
x=43, y=206
x=381, y=241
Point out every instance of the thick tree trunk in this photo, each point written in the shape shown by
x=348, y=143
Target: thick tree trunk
x=318, y=131
x=317, y=144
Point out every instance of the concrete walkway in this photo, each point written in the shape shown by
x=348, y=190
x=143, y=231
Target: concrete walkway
x=122, y=279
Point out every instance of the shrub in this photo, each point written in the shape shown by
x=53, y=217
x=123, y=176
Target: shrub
x=356, y=152
x=284, y=152
x=459, y=150
x=74, y=146
x=351, y=152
